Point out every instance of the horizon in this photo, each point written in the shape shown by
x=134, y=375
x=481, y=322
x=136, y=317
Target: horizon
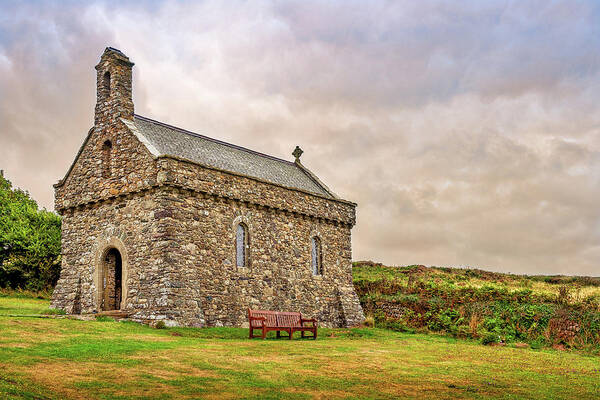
x=466, y=135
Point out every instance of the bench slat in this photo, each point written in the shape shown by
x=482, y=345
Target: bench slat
x=288, y=319
x=271, y=318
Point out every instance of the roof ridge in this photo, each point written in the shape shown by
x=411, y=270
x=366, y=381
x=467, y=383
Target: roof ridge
x=198, y=135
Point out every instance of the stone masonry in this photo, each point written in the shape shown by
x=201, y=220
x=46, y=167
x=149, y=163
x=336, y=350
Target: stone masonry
x=150, y=214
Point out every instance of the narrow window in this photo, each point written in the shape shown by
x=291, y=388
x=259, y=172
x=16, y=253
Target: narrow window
x=316, y=259
x=106, y=83
x=241, y=245
x=106, y=150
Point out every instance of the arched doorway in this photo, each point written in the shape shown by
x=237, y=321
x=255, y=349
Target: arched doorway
x=111, y=281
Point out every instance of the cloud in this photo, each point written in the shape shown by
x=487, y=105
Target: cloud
x=467, y=135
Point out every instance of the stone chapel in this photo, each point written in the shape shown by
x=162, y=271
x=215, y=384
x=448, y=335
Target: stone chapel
x=167, y=224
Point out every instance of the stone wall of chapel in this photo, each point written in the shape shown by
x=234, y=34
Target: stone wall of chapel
x=134, y=225
x=178, y=250
x=279, y=274
x=132, y=167
x=246, y=189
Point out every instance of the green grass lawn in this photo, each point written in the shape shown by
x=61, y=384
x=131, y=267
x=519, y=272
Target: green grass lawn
x=63, y=359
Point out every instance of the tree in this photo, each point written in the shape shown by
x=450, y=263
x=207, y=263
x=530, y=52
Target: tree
x=29, y=241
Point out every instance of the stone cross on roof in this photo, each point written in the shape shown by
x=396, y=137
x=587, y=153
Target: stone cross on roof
x=297, y=153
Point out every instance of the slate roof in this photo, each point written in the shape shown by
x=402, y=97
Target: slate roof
x=162, y=139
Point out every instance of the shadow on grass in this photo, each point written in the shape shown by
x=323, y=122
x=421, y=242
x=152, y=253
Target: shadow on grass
x=242, y=333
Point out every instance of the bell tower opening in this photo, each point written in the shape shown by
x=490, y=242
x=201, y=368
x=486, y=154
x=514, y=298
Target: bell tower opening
x=112, y=281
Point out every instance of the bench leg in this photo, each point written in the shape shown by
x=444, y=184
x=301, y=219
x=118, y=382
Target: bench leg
x=291, y=333
x=264, y=333
x=302, y=334
x=278, y=334
x=250, y=333
x=315, y=334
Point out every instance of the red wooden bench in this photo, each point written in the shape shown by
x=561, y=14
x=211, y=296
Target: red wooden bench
x=289, y=322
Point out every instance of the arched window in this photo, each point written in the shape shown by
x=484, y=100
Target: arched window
x=316, y=257
x=241, y=245
x=106, y=150
x=106, y=83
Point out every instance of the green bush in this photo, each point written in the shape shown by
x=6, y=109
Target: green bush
x=463, y=331
x=592, y=301
x=538, y=343
x=397, y=326
x=446, y=320
x=29, y=242
x=493, y=324
x=490, y=338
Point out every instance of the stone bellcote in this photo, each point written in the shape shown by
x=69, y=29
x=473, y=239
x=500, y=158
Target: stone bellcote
x=113, y=87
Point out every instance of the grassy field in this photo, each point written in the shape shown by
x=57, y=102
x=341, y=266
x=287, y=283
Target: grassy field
x=69, y=359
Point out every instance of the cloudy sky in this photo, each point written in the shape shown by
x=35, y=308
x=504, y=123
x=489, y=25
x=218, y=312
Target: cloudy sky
x=468, y=133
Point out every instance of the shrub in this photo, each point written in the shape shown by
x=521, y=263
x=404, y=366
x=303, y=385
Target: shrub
x=490, y=338
x=538, y=343
x=474, y=323
x=493, y=324
x=397, y=326
x=29, y=242
x=464, y=331
x=436, y=303
x=564, y=294
x=592, y=301
x=160, y=325
x=445, y=320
